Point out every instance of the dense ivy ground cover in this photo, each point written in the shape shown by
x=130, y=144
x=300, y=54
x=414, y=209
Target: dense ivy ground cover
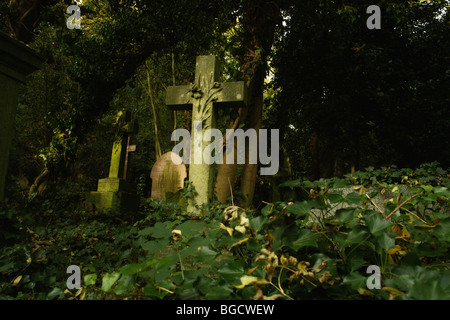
x=276, y=251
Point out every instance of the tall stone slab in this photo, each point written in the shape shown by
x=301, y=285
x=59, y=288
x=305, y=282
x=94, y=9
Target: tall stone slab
x=166, y=176
x=16, y=62
x=203, y=98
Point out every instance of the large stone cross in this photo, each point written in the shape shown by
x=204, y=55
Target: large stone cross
x=204, y=97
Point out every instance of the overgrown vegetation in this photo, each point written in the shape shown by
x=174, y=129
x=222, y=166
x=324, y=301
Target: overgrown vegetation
x=278, y=251
x=343, y=98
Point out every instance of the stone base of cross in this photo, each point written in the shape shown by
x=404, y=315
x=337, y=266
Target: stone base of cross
x=114, y=192
x=203, y=98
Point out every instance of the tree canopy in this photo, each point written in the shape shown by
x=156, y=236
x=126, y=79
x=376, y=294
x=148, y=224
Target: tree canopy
x=363, y=180
x=354, y=97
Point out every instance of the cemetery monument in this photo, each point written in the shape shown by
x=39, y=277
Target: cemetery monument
x=114, y=192
x=203, y=98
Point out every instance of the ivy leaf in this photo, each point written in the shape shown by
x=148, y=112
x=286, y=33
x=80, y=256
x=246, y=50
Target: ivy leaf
x=306, y=238
x=376, y=223
x=355, y=280
x=90, y=279
x=345, y=215
x=154, y=246
x=340, y=183
x=443, y=230
x=334, y=197
x=134, y=268
x=385, y=241
x=353, y=198
x=356, y=262
x=125, y=284
x=231, y=271
x=163, y=263
x=151, y=290
x=219, y=292
x=159, y=230
x=428, y=287
x=291, y=184
x=56, y=292
x=109, y=279
x=356, y=236
x=300, y=209
x=258, y=222
x=130, y=269
x=206, y=254
x=191, y=228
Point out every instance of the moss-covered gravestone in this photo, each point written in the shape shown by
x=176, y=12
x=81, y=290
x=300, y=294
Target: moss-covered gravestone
x=167, y=177
x=204, y=97
x=114, y=192
x=16, y=62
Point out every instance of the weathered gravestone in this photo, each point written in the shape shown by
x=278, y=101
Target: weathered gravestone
x=203, y=98
x=167, y=177
x=115, y=192
x=16, y=62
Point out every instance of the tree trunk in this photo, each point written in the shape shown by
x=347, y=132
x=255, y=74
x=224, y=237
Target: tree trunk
x=255, y=121
x=315, y=156
x=259, y=21
x=354, y=164
x=174, y=112
x=149, y=91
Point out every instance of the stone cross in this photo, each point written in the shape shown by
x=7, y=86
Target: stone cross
x=204, y=97
x=119, y=154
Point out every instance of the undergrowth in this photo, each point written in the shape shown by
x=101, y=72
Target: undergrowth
x=318, y=247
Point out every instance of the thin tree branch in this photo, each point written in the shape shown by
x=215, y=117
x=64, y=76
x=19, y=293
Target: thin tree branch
x=401, y=205
x=375, y=205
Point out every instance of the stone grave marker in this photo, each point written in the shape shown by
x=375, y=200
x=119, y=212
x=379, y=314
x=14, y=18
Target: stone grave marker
x=130, y=148
x=203, y=98
x=115, y=192
x=16, y=62
x=166, y=176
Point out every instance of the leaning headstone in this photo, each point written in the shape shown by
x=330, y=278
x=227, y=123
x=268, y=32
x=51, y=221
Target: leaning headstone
x=167, y=177
x=16, y=62
x=114, y=192
x=203, y=98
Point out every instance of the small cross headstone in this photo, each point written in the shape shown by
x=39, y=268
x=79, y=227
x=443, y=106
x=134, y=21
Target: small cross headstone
x=115, y=192
x=126, y=127
x=130, y=148
x=204, y=97
x=167, y=176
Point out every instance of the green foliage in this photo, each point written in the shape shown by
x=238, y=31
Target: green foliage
x=318, y=247
x=280, y=253
x=357, y=97
x=370, y=97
